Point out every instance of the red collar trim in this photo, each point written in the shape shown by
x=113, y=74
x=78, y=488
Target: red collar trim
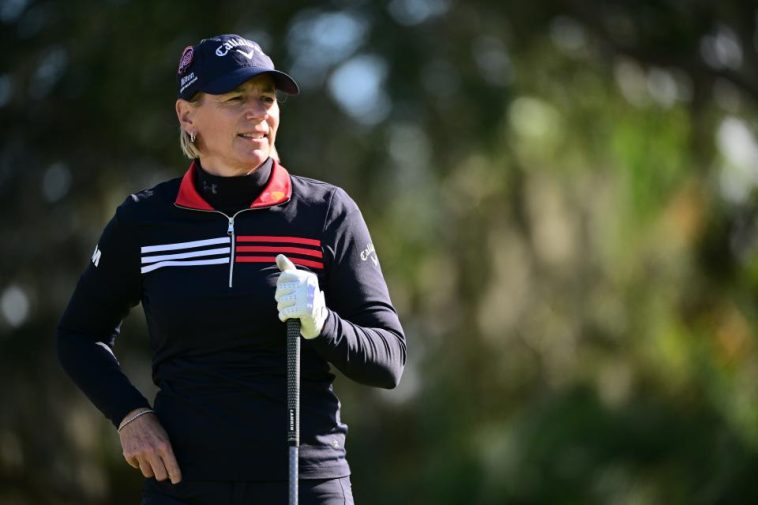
x=278, y=190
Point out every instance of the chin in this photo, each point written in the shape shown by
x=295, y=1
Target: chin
x=258, y=162
x=255, y=159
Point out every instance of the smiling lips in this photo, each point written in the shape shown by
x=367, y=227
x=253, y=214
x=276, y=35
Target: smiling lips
x=254, y=135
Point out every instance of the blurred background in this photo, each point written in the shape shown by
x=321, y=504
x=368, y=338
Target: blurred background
x=562, y=195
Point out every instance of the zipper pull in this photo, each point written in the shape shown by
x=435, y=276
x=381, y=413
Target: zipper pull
x=230, y=230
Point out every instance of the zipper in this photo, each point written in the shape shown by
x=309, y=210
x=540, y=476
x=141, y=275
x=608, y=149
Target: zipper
x=232, y=237
x=230, y=232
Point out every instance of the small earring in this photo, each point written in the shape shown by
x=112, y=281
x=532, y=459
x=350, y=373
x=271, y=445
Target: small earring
x=192, y=137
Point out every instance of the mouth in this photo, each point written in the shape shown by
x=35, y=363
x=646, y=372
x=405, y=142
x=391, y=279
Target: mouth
x=259, y=136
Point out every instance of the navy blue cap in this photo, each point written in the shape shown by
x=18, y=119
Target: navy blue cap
x=219, y=64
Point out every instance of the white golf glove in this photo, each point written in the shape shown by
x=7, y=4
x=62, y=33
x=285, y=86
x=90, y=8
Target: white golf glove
x=298, y=296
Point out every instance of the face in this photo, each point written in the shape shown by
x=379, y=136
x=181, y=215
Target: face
x=235, y=131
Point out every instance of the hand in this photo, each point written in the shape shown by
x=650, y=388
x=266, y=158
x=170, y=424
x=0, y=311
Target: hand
x=146, y=446
x=297, y=296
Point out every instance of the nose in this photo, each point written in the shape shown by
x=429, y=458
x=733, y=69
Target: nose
x=254, y=109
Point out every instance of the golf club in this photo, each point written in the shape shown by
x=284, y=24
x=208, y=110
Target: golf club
x=293, y=405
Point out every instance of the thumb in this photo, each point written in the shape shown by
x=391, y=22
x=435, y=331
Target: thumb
x=284, y=263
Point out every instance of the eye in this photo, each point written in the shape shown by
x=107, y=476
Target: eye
x=234, y=98
x=268, y=99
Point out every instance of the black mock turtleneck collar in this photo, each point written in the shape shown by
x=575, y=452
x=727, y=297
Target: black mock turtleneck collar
x=231, y=194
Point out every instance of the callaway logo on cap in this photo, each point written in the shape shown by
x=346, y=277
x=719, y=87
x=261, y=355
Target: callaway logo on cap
x=220, y=64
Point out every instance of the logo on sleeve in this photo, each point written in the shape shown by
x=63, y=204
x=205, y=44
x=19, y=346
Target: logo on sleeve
x=369, y=252
x=96, y=256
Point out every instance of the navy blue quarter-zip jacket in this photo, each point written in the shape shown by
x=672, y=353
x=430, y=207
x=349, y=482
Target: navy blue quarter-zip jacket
x=206, y=281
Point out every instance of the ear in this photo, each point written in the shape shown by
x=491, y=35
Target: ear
x=185, y=113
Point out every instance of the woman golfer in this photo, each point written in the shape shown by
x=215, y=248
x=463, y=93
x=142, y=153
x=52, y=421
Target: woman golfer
x=200, y=253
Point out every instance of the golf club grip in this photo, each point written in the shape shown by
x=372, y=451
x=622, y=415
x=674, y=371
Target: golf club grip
x=293, y=406
x=293, y=382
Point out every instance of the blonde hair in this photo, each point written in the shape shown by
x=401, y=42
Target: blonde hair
x=188, y=147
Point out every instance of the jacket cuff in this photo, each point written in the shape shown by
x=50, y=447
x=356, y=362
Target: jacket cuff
x=135, y=401
x=328, y=331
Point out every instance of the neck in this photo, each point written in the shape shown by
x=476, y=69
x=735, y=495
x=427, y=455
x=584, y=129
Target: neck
x=220, y=170
x=230, y=194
